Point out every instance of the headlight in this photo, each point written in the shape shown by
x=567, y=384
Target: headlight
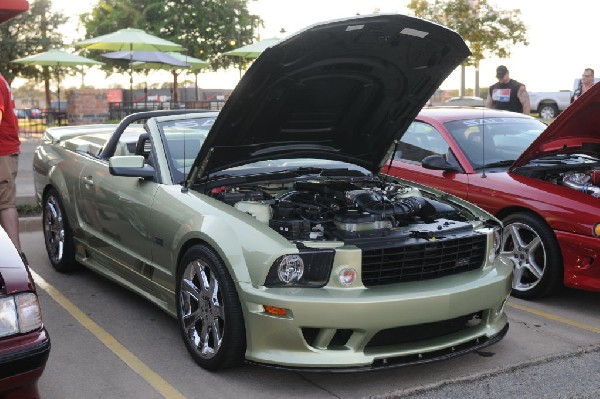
x=19, y=314
x=308, y=268
x=496, y=243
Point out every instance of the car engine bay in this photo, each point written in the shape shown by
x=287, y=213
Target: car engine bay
x=579, y=176
x=345, y=210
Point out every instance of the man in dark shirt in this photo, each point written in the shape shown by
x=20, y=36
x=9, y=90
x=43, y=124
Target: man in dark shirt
x=508, y=94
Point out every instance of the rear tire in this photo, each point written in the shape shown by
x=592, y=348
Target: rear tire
x=548, y=111
x=57, y=234
x=530, y=244
x=209, y=311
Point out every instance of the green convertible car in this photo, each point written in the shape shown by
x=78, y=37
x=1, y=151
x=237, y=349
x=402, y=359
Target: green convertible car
x=267, y=230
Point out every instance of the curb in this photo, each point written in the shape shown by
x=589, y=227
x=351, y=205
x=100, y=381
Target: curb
x=30, y=223
x=26, y=200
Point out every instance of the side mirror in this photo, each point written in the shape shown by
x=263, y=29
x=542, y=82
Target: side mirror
x=130, y=166
x=438, y=162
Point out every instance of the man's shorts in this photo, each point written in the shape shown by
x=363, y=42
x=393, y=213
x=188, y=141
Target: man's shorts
x=8, y=175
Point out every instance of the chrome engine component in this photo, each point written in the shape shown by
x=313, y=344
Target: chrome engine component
x=581, y=182
x=317, y=210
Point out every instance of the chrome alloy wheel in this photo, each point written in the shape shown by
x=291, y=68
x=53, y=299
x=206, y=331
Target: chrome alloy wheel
x=202, y=308
x=54, y=229
x=524, y=247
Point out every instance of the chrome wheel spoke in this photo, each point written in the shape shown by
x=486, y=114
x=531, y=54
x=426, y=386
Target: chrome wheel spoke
x=202, y=311
x=189, y=288
x=190, y=320
x=205, y=339
x=516, y=236
x=517, y=277
x=54, y=229
x=524, y=247
x=217, y=335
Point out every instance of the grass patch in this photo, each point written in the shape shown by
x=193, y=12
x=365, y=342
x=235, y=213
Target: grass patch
x=29, y=210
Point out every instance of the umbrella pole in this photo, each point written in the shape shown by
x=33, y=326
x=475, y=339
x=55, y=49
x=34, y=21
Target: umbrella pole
x=196, y=83
x=58, y=89
x=146, y=90
x=131, y=74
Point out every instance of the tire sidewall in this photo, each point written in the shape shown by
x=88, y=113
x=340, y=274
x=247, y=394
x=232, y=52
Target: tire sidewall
x=67, y=262
x=234, y=340
x=553, y=272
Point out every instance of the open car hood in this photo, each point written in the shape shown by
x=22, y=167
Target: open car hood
x=575, y=131
x=341, y=90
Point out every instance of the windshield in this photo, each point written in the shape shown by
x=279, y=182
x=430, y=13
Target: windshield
x=182, y=140
x=494, y=142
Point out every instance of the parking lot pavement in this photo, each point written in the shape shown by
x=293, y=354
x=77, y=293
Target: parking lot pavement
x=109, y=342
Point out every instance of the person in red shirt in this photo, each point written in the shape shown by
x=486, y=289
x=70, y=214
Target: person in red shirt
x=10, y=147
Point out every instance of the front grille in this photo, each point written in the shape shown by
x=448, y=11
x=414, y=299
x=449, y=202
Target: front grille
x=420, y=262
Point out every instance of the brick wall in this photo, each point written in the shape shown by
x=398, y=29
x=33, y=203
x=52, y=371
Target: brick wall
x=85, y=106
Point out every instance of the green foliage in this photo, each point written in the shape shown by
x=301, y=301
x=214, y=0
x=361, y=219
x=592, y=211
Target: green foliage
x=206, y=28
x=30, y=33
x=29, y=210
x=486, y=31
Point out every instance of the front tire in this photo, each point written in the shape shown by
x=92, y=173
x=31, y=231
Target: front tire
x=531, y=246
x=57, y=234
x=209, y=311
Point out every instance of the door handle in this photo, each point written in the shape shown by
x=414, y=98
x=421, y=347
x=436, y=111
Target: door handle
x=88, y=181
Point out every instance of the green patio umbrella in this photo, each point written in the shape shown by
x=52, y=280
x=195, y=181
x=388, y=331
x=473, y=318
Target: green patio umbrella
x=57, y=58
x=252, y=51
x=129, y=39
x=195, y=64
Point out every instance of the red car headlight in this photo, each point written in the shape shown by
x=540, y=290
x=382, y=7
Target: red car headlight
x=19, y=314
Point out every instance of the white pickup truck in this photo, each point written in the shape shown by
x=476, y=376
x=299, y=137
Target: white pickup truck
x=549, y=103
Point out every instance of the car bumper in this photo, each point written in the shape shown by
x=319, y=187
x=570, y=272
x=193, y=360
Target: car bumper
x=388, y=326
x=581, y=260
x=21, y=368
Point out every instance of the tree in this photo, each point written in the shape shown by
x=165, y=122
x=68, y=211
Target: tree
x=206, y=28
x=30, y=33
x=485, y=30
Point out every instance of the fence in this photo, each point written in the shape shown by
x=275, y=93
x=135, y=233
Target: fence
x=119, y=110
x=35, y=125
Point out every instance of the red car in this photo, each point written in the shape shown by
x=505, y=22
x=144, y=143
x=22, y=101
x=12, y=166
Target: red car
x=542, y=182
x=24, y=342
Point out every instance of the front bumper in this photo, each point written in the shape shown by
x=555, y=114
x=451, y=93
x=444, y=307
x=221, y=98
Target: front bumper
x=23, y=359
x=581, y=260
x=389, y=326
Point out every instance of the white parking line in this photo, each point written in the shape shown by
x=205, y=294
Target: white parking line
x=149, y=375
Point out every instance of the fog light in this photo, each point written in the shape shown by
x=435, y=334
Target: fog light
x=597, y=230
x=275, y=311
x=492, y=255
x=347, y=276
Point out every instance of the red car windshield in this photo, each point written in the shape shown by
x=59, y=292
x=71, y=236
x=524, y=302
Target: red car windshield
x=494, y=141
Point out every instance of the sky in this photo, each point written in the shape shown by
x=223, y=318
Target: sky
x=561, y=39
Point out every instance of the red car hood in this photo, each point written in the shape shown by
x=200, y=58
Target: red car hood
x=576, y=130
